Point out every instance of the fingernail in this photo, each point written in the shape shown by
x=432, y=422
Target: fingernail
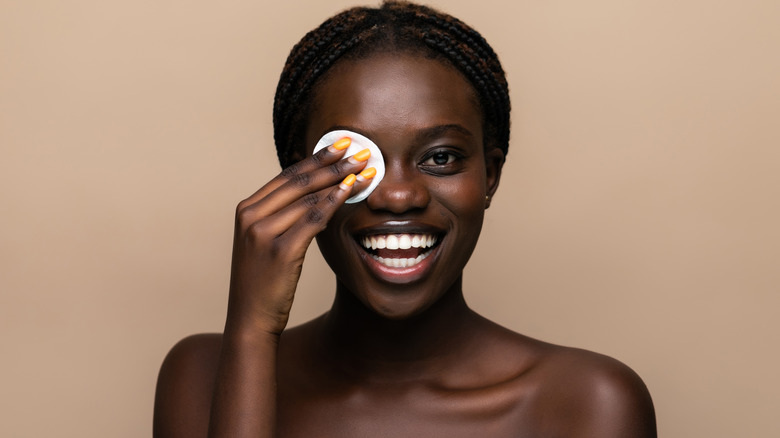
x=340, y=145
x=367, y=173
x=348, y=181
x=360, y=156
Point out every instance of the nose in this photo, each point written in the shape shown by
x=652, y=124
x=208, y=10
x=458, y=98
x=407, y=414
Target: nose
x=399, y=192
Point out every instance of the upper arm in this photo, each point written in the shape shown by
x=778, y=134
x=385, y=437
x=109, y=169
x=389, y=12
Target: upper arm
x=590, y=395
x=620, y=405
x=609, y=400
x=184, y=387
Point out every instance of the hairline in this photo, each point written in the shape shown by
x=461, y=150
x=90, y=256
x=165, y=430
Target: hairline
x=383, y=49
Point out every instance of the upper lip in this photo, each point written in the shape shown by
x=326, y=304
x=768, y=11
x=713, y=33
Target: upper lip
x=398, y=227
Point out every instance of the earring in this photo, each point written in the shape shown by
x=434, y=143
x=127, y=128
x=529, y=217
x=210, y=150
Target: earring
x=487, y=201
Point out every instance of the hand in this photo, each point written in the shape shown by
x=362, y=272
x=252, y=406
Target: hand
x=275, y=226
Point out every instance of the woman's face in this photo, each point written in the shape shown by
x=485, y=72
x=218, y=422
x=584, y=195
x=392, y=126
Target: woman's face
x=427, y=212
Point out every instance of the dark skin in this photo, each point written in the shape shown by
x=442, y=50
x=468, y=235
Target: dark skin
x=399, y=354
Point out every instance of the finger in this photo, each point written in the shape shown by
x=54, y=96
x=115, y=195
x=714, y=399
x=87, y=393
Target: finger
x=280, y=222
x=292, y=237
x=315, y=219
x=363, y=179
x=304, y=184
x=322, y=158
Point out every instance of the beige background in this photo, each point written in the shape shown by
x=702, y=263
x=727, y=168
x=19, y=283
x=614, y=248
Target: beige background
x=638, y=215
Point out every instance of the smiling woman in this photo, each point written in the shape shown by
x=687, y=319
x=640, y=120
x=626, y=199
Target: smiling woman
x=400, y=353
x=417, y=110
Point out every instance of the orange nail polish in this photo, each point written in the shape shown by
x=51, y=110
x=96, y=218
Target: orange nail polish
x=342, y=144
x=368, y=173
x=348, y=181
x=362, y=155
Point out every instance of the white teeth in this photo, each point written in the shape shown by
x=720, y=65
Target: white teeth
x=399, y=241
x=401, y=263
x=392, y=242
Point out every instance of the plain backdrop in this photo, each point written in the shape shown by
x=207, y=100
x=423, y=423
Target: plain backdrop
x=637, y=216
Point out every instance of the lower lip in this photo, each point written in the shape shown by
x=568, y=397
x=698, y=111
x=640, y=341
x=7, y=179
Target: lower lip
x=399, y=275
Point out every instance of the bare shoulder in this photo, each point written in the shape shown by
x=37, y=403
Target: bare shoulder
x=562, y=391
x=184, y=386
x=593, y=395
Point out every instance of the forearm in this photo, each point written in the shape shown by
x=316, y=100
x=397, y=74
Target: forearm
x=244, y=403
x=274, y=227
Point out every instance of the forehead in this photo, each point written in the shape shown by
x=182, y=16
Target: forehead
x=392, y=94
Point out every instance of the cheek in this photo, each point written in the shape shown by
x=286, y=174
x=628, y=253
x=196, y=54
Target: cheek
x=463, y=194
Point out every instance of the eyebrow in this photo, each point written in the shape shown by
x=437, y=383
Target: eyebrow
x=423, y=135
x=434, y=132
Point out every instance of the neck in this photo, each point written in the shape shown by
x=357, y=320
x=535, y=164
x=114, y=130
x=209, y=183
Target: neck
x=361, y=342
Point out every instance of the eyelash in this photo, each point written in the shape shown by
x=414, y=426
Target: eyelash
x=452, y=158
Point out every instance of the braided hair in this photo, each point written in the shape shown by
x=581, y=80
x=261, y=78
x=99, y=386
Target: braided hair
x=395, y=26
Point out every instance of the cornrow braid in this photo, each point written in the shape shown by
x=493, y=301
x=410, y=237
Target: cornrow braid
x=395, y=26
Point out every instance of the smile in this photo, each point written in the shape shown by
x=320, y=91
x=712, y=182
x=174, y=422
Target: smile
x=399, y=250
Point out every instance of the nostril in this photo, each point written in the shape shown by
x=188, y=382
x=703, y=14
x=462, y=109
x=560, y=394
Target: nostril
x=398, y=196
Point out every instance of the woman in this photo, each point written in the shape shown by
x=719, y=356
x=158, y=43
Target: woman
x=399, y=354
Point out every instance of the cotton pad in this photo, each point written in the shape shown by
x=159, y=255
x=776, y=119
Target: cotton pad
x=359, y=142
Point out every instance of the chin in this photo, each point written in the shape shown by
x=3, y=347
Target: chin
x=394, y=309
x=396, y=268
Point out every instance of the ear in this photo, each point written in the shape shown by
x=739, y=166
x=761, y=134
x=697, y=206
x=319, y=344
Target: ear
x=494, y=162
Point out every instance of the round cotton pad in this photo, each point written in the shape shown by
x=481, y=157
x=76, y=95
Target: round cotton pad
x=359, y=142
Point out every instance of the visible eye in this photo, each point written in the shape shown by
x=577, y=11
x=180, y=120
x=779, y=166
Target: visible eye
x=440, y=158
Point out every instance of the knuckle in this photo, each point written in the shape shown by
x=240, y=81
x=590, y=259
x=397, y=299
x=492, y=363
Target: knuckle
x=257, y=233
x=314, y=216
x=300, y=179
x=311, y=199
x=317, y=159
x=242, y=206
x=290, y=171
x=337, y=168
x=332, y=199
x=256, y=230
x=243, y=215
